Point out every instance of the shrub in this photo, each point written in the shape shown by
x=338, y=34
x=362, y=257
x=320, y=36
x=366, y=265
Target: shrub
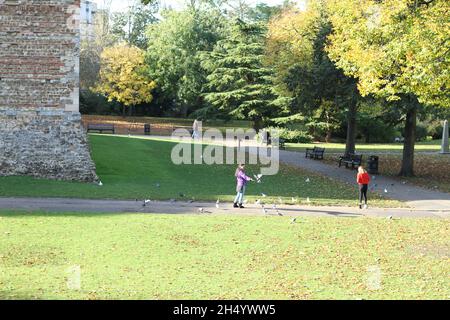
x=292, y=135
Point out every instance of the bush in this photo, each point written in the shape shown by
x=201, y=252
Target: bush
x=292, y=135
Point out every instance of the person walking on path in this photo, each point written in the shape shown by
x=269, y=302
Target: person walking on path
x=363, y=180
x=242, y=179
x=195, y=133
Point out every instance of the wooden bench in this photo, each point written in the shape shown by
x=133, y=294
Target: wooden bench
x=315, y=153
x=101, y=127
x=355, y=160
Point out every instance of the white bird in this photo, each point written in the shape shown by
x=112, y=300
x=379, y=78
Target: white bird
x=146, y=202
x=258, y=202
x=264, y=195
x=307, y=200
x=100, y=183
x=294, y=220
x=404, y=182
x=200, y=210
x=307, y=180
x=389, y=218
x=217, y=204
x=385, y=190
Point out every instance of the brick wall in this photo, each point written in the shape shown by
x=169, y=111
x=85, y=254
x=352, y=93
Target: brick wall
x=39, y=91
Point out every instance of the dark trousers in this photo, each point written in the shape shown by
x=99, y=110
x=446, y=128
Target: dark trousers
x=363, y=192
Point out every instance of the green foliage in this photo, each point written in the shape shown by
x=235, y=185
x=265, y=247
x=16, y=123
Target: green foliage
x=291, y=135
x=130, y=26
x=239, y=84
x=173, y=55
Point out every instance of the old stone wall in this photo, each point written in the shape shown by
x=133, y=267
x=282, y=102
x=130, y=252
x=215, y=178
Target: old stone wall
x=40, y=126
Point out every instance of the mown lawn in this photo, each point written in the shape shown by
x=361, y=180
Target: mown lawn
x=138, y=256
x=142, y=169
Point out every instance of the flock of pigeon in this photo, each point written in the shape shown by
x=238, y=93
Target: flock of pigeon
x=259, y=202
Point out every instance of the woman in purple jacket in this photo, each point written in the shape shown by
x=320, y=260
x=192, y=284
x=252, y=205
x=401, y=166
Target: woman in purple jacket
x=242, y=180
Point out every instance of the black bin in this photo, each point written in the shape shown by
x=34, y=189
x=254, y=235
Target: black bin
x=147, y=129
x=372, y=165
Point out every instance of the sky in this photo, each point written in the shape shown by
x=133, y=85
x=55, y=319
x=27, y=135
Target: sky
x=120, y=5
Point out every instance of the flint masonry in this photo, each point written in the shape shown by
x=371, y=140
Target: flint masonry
x=40, y=125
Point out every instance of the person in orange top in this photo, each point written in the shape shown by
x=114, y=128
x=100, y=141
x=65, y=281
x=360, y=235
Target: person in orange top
x=363, y=180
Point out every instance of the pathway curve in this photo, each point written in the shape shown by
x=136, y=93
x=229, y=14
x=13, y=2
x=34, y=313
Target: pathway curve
x=204, y=208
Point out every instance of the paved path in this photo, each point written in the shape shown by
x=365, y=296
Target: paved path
x=415, y=197
x=157, y=207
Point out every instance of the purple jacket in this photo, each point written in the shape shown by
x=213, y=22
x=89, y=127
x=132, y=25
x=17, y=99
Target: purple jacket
x=242, y=179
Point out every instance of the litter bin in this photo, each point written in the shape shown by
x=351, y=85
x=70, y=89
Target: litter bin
x=147, y=129
x=372, y=165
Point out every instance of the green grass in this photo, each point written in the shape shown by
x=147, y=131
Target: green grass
x=131, y=169
x=429, y=146
x=139, y=256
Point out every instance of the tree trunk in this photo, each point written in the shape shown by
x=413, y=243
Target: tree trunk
x=351, y=127
x=407, y=169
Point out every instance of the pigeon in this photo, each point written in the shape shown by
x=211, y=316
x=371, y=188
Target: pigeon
x=146, y=202
x=389, y=218
x=307, y=180
x=294, y=220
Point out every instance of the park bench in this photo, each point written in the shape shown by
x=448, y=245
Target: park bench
x=315, y=153
x=351, y=159
x=100, y=127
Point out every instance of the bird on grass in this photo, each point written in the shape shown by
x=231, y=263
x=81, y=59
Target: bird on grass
x=263, y=195
x=201, y=210
x=308, y=180
x=100, y=183
x=217, y=204
x=279, y=213
x=293, y=220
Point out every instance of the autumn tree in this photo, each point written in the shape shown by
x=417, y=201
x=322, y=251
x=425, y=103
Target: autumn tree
x=398, y=50
x=123, y=77
x=295, y=46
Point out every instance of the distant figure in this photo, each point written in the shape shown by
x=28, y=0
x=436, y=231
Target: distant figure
x=242, y=180
x=195, y=133
x=363, y=180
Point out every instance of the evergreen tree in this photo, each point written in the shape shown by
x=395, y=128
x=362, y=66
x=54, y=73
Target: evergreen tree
x=239, y=84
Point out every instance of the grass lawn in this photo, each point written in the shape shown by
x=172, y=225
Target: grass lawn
x=137, y=256
x=429, y=146
x=132, y=168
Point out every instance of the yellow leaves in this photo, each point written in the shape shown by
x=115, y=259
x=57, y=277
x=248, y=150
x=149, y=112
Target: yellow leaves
x=122, y=76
